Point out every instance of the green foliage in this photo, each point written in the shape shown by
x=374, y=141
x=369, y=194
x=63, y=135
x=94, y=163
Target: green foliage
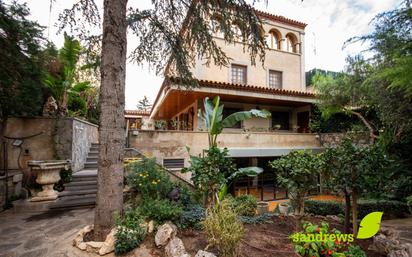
x=319, y=249
x=212, y=116
x=298, y=172
x=192, y=216
x=209, y=173
x=390, y=208
x=223, y=228
x=409, y=203
x=338, y=122
x=150, y=179
x=160, y=210
x=129, y=233
x=245, y=205
x=355, y=251
x=258, y=219
x=21, y=62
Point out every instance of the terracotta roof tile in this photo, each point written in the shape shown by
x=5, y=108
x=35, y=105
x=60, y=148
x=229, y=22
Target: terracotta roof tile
x=281, y=19
x=252, y=88
x=137, y=112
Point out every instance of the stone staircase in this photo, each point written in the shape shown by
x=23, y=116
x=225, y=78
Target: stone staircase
x=81, y=191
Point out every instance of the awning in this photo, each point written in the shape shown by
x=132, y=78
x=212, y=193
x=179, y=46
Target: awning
x=267, y=152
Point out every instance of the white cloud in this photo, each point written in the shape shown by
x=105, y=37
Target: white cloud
x=330, y=24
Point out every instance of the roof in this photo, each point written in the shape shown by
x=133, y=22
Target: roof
x=281, y=19
x=136, y=113
x=253, y=88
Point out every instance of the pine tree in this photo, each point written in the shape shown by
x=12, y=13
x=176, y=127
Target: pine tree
x=144, y=104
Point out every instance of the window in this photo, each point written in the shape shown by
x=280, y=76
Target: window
x=275, y=79
x=291, y=43
x=273, y=40
x=239, y=75
x=280, y=120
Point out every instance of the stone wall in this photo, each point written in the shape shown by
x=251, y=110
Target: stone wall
x=333, y=139
x=48, y=138
x=14, y=184
x=84, y=134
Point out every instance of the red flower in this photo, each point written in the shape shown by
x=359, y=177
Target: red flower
x=318, y=230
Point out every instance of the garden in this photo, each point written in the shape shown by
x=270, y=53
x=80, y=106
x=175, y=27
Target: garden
x=174, y=219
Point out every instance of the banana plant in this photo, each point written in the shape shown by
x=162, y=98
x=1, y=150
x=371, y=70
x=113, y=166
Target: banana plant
x=212, y=115
x=247, y=171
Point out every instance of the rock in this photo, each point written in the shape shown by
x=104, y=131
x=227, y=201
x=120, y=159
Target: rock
x=93, y=246
x=80, y=235
x=150, y=227
x=408, y=248
x=202, y=253
x=165, y=232
x=108, y=245
x=175, y=248
x=398, y=253
x=334, y=218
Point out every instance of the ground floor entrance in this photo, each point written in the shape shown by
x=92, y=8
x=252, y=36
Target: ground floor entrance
x=265, y=186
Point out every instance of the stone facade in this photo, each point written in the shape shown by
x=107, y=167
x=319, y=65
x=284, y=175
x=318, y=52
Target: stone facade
x=47, y=139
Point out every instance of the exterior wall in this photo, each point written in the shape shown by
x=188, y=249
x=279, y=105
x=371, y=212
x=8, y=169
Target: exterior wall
x=66, y=138
x=84, y=134
x=172, y=144
x=290, y=64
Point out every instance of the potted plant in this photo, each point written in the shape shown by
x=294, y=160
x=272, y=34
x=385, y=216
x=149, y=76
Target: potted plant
x=283, y=208
x=277, y=126
x=262, y=207
x=160, y=124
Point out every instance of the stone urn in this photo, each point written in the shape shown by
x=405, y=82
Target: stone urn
x=283, y=208
x=262, y=207
x=48, y=173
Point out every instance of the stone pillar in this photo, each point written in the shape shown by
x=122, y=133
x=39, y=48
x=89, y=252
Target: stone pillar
x=302, y=61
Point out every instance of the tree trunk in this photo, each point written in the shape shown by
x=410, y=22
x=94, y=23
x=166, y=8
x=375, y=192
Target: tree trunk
x=347, y=213
x=109, y=200
x=355, y=213
x=3, y=123
x=367, y=125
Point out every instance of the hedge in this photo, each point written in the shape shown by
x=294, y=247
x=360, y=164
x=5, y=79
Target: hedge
x=391, y=209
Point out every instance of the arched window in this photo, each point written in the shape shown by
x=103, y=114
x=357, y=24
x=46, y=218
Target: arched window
x=273, y=40
x=291, y=43
x=215, y=25
x=237, y=32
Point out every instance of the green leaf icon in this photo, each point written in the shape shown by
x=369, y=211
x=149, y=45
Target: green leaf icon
x=370, y=225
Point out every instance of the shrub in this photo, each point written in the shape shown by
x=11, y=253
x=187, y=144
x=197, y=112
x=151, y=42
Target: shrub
x=409, y=202
x=223, y=228
x=355, y=251
x=191, y=217
x=245, y=205
x=129, y=233
x=259, y=219
x=317, y=248
x=160, y=210
x=148, y=178
x=391, y=209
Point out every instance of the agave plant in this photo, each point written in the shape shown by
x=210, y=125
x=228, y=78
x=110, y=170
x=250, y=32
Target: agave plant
x=213, y=118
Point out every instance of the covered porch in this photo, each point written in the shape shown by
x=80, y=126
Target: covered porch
x=176, y=108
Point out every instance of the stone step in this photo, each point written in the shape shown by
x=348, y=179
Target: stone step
x=85, y=175
x=81, y=183
x=95, y=144
x=89, y=165
x=94, y=148
x=74, y=197
x=92, y=158
x=93, y=153
x=74, y=203
x=78, y=192
x=80, y=188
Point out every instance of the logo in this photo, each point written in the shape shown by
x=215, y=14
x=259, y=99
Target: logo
x=369, y=226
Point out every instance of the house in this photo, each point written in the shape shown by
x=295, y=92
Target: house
x=278, y=86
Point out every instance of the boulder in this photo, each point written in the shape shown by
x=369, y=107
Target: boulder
x=78, y=240
x=108, y=245
x=202, y=253
x=175, y=248
x=165, y=232
x=150, y=227
x=93, y=246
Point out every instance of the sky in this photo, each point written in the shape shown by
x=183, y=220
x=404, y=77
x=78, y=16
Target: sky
x=330, y=24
